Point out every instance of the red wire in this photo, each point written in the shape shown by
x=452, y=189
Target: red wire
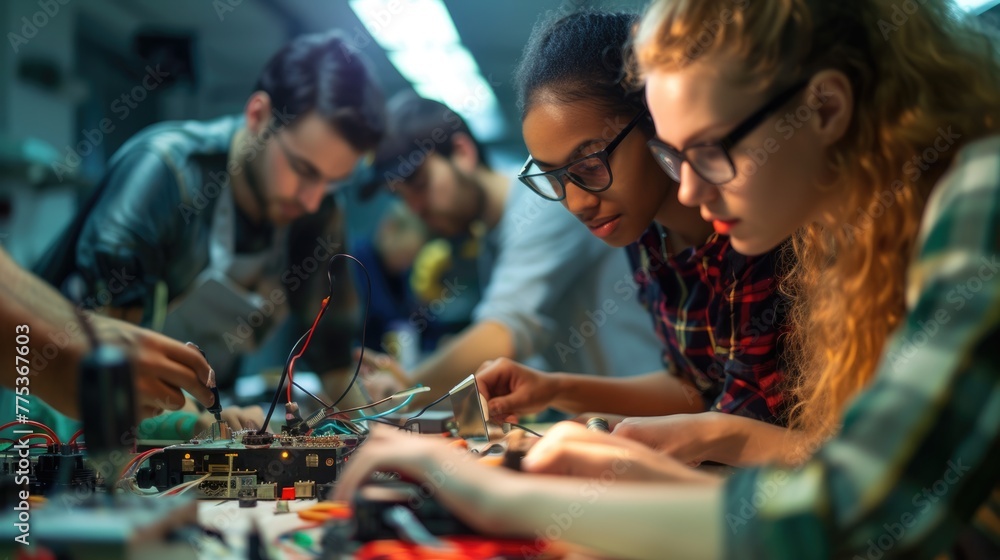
x=31, y=436
x=73, y=439
x=463, y=548
x=140, y=458
x=312, y=329
x=48, y=430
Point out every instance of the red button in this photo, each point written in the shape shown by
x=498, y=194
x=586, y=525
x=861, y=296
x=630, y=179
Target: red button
x=288, y=493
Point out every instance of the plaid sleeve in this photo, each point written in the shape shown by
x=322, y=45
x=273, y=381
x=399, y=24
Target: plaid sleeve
x=646, y=293
x=919, y=450
x=754, y=370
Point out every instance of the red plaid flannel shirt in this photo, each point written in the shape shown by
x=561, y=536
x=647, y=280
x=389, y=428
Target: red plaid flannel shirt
x=720, y=317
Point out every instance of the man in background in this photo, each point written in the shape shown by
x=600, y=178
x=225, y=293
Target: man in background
x=218, y=231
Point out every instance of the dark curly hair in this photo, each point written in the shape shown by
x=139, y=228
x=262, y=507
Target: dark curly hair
x=582, y=56
x=323, y=73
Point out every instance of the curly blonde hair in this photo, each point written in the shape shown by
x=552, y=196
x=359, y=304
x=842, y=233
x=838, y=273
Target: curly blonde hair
x=918, y=71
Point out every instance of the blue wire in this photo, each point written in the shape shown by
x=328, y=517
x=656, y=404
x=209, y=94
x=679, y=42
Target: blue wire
x=331, y=427
x=397, y=408
x=322, y=430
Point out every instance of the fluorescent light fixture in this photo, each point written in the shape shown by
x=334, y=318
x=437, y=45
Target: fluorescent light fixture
x=425, y=65
x=420, y=40
x=977, y=6
x=403, y=24
x=473, y=98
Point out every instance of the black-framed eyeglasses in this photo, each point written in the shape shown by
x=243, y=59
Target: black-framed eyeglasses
x=304, y=170
x=711, y=160
x=591, y=173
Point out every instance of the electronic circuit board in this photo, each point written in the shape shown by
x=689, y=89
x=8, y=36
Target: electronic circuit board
x=250, y=466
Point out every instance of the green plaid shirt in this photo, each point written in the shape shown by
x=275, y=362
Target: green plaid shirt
x=914, y=471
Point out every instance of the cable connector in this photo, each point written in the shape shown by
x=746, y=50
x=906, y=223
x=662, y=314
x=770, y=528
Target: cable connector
x=294, y=424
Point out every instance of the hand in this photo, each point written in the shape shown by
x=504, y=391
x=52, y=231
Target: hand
x=689, y=438
x=571, y=449
x=237, y=418
x=451, y=476
x=161, y=366
x=511, y=388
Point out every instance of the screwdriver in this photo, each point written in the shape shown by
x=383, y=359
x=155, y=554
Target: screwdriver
x=216, y=408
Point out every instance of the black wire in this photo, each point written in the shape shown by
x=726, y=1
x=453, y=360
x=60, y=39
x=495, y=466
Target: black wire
x=381, y=421
x=364, y=406
x=424, y=409
x=530, y=431
x=364, y=326
x=364, y=323
x=281, y=383
x=404, y=425
x=306, y=391
x=328, y=412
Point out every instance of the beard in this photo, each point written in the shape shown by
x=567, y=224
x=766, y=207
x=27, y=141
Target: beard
x=255, y=184
x=274, y=211
x=459, y=219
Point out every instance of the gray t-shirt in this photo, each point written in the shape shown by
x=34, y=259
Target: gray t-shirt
x=567, y=297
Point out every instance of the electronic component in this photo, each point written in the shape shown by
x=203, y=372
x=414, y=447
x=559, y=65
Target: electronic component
x=294, y=424
x=106, y=377
x=389, y=510
x=305, y=489
x=267, y=491
x=470, y=409
x=254, y=439
x=372, y=501
x=430, y=422
x=59, y=468
x=233, y=470
x=219, y=431
x=324, y=491
x=407, y=525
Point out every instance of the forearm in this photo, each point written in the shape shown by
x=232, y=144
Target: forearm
x=745, y=442
x=27, y=297
x=623, y=520
x=28, y=301
x=617, y=519
x=606, y=513
x=653, y=394
x=486, y=340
